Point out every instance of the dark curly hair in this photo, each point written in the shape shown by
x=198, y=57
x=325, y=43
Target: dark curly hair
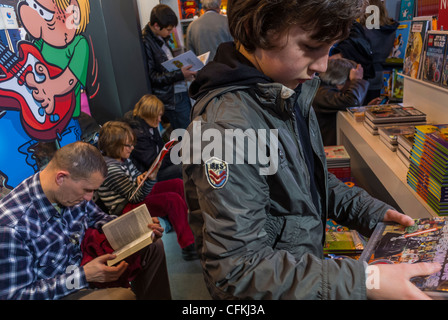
x=254, y=23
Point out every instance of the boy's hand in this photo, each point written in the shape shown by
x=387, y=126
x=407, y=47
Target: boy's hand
x=392, y=281
x=395, y=216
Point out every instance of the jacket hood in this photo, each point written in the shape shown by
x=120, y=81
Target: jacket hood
x=389, y=28
x=233, y=69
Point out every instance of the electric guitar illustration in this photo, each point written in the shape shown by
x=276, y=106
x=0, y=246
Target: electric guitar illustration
x=15, y=95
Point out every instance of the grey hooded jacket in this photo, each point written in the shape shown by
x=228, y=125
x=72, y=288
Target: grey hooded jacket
x=260, y=236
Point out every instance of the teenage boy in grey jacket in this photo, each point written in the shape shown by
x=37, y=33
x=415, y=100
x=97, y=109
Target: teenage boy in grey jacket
x=260, y=227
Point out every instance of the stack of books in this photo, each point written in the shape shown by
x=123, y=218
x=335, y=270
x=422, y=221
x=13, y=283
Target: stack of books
x=341, y=241
x=391, y=114
x=428, y=169
x=357, y=113
x=404, y=147
x=389, y=135
x=338, y=161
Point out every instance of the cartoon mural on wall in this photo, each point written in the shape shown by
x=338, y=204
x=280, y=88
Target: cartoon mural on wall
x=40, y=85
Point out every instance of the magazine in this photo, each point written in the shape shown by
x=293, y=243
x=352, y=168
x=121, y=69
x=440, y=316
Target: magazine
x=425, y=241
x=156, y=162
x=185, y=59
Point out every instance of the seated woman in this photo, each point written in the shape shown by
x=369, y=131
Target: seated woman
x=144, y=120
x=163, y=199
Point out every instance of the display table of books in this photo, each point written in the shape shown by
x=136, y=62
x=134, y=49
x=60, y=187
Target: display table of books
x=385, y=165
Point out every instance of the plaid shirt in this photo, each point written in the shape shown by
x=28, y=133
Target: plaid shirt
x=40, y=247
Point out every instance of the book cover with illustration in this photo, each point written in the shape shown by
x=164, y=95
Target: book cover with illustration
x=414, y=47
x=400, y=42
x=407, y=9
x=392, y=113
x=425, y=241
x=434, y=56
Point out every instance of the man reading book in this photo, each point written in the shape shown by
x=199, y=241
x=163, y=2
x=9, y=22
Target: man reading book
x=42, y=225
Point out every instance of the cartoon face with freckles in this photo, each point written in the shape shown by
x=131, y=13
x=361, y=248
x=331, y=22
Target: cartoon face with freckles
x=43, y=19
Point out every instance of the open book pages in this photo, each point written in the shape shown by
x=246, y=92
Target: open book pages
x=186, y=59
x=129, y=233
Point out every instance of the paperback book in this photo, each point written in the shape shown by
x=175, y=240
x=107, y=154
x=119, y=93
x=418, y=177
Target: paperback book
x=129, y=233
x=425, y=241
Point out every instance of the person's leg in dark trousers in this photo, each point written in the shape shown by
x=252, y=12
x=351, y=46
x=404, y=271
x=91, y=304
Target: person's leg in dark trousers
x=152, y=282
x=183, y=109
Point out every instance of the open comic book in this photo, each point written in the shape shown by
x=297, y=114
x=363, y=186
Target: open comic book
x=166, y=148
x=425, y=241
x=129, y=233
x=186, y=59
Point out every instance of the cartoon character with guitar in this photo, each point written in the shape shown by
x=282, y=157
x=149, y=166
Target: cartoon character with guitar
x=43, y=82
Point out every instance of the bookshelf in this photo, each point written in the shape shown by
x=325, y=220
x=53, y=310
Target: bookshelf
x=379, y=170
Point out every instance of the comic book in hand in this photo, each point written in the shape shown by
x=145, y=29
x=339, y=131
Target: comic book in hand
x=434, y=55
x=425, y=241
x=394, y=113
x=166, y=148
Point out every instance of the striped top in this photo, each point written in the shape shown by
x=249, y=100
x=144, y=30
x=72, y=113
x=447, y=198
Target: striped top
x=121, y=183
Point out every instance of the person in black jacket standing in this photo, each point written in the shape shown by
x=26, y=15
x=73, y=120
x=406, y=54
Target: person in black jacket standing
x=170, y=87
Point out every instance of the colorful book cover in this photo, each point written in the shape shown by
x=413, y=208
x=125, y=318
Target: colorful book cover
x=394, y=113
x=189, y=8
x=397, y=85
x=414, y=48
x=400, y=43
x=387, y=83
x=407, y=9
x=425, y=241
x=434, y=55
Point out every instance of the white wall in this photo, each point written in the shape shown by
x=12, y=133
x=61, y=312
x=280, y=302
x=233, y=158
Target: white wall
x=144, y=10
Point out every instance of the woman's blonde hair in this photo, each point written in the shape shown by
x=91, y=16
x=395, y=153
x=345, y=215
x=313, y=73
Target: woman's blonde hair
x=148, y=107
